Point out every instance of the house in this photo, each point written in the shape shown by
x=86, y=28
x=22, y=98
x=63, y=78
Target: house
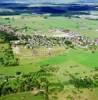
x=62, y=33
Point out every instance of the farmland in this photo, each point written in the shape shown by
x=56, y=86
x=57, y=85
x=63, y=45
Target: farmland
x=61, y=71
x=43, y=23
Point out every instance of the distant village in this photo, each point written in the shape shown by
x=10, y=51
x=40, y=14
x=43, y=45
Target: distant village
x=59, y=36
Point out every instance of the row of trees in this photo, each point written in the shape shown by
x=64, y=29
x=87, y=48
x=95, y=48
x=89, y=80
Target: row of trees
x=85, y=82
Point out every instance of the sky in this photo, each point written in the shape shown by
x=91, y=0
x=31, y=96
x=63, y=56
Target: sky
x=45, y=1
x=37, y=1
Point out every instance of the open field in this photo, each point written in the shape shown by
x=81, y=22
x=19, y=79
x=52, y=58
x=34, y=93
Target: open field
x=28, y=62
x=22, y=96
x=45, y=23
x=76, y=56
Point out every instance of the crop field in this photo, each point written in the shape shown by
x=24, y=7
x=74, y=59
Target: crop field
x=42, y=24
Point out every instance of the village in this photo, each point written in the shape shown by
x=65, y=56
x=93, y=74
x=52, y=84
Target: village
x=58, y=37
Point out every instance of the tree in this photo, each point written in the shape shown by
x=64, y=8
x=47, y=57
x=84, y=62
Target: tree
x=93, y=47
x=44, y=85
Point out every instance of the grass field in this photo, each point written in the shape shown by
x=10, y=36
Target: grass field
x=39, y=23
x=28, y=62
x=82, y=57
x=22, y=96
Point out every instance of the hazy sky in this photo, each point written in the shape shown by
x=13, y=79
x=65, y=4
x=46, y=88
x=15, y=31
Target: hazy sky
x=44, y=1
x=38, y=1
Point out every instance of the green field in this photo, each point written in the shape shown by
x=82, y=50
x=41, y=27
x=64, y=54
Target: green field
x=60, y=56
x=41, y=24
x=29, y=62
x=79, y=63
x=63, y=65
x=22, y=96
x=81, y=57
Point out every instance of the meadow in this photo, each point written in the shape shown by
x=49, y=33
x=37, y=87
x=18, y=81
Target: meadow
x=22, y=96
x=60, y=55
x=43, y=23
